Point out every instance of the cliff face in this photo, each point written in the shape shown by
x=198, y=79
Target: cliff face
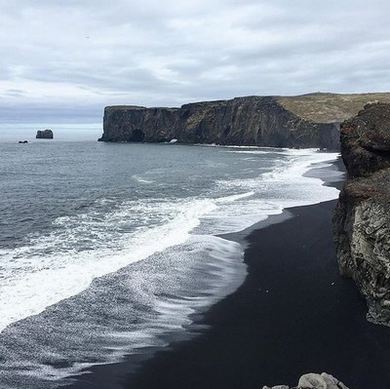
x=299, y=121
x=261, y=121
x=362, y=217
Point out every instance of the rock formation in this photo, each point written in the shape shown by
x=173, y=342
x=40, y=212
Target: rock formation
x=301, y=121
x=44, y=134
x=362, y=217
x=314, y=381
x=253, y=120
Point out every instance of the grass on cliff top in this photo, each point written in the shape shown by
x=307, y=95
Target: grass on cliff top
x=329, y=107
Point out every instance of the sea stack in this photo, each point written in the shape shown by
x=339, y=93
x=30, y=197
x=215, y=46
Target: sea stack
x=44, y=134
x=362, y=218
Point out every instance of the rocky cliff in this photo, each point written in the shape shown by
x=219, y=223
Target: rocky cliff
x=362, y=217
x=301, y=121
x=261, y=121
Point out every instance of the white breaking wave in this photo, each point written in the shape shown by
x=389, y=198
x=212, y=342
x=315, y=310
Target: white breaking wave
x=49, y=269
x=230, y=199
x=34, y=280
x=147, y=264
x=286, y=186
x=157, y=298
x=141, y=180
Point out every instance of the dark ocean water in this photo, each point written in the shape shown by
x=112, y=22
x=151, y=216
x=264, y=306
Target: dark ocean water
x=106, y=249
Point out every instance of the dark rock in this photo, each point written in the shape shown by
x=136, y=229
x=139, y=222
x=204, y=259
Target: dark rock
x=362, y=217
x=23, y=141
x=44, y=134
x=260, y=121
x=365, y=140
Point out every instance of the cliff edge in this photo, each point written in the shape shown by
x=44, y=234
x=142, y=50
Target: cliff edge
x=253, y=120
x=362, y=216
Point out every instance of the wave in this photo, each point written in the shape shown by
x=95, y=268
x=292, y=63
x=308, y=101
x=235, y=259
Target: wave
x=144, y=305
x=145, y=265
x=141, y=180
x=269, y=194
x=50, y=269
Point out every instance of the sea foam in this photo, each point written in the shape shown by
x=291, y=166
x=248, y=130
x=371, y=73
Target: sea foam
x=145, y=266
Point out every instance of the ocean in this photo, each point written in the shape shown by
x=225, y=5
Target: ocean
x=108, y=250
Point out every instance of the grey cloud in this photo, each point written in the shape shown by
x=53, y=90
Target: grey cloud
x=91, y=53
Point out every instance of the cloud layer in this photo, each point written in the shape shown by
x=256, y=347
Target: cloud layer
x=80, y=55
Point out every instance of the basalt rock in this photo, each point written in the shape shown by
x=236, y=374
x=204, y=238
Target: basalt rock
x=261, y=121
x=44, y=134
x=362, y=217
x=314, y=381
x=310, y=120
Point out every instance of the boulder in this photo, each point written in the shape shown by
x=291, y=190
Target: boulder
x=314, y=381
x=320, y=381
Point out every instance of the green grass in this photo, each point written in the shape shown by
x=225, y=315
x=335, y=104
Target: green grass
x=329, y=107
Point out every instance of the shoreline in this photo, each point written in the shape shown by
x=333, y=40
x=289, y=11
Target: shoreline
x=186, y=362
x=271, y=329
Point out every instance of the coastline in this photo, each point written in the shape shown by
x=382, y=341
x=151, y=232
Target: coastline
x=271, y=330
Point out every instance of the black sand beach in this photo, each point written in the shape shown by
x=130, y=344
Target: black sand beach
x=293, y=314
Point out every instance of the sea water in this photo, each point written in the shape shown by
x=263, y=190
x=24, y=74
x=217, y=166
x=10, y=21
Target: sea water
x=108, y=250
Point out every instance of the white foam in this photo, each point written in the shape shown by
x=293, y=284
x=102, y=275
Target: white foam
x=141, y=180
x=285, y=186
x=184, y=272
x=243, y=147
x=230, y=199
x=34, y=280
x=163, y=295
x=49, y=269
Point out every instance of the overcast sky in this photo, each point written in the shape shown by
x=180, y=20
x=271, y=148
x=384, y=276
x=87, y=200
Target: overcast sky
x=76, y=56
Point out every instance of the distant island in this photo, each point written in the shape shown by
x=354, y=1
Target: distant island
x=44, y=134
x=311, y=120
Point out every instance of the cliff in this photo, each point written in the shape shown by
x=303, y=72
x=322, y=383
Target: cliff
x=261, y=121
x=362, y=217
x=301, y=121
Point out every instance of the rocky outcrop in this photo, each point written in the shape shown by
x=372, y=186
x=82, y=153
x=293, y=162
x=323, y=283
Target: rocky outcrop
x=254, y=120
x=362, y=217
x=314, y=381
x=310, y=120
x=44, y=134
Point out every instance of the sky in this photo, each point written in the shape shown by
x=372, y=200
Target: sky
x=70, y=58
